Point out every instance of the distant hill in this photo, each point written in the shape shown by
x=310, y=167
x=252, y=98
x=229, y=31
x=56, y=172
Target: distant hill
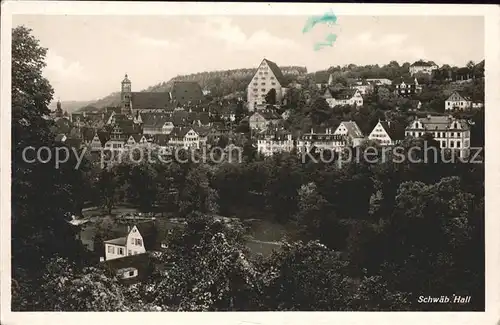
x=70, y=106
x=221, y=83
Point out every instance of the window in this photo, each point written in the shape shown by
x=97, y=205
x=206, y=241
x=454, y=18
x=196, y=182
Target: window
x=272, y=77
x=263, y=89
x=129, y=252
x=452, y=144
x=138, y=242
x=120, y=251
x=263, y=84
x=458, y=143
x=273, y=83
x=110, y=249
x=131, y=273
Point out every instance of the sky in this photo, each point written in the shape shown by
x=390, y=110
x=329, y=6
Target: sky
x=88, y=56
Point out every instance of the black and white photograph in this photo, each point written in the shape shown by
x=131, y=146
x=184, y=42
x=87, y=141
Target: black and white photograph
x=228, y=157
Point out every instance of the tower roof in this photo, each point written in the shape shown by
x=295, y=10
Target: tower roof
x=126, y=79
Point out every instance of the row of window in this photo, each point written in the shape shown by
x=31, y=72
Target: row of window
x=120, y=251
x=436, y=134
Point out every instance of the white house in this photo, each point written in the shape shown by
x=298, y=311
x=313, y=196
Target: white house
x=272, y=141
x=422, y=66
x=343, y=97
x=184, y=137
x=384, y=134
x=379, y=81
x=351, y=130
x=457, y=101
x=267, y=77
x=451, y=133
x=321, y=140
x=141, y=238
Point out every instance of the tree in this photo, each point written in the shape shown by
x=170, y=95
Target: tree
x=207, y=268
x=197, y=195
x=305, y=277
x=271, y=97
x=240, y=112
x=65, y=288
x=41, y=193
x=108, y=188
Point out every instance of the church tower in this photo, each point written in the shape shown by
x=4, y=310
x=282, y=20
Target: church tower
x=59, y=111
x=126, y=95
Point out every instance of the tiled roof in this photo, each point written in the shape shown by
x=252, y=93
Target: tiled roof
x=441, y=123
x=141, y=262
x=202, y=131
x=392, y=131
x=122, y=241
x=88, y=134
x=150, y=100
x=276, y=70
x=179, y=132
x=149, y=234
x=353, y=129
x=155, y=119
x=185, y=91
x=269, y=114
x=342, y=93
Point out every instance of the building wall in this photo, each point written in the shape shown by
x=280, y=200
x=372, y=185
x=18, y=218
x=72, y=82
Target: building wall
x=379, y=134
x=457, y=139
x=135, y=242
x=257, y=121
x=262, y=82
x=113, y=251
x=269, y=147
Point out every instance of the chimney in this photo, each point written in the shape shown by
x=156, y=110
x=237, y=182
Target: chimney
x=428, y=116
x=312, y=131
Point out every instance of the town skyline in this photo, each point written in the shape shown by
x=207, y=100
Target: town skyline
x=74, y=66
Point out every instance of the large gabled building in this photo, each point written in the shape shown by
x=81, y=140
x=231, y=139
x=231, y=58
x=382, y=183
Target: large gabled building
x=449, y=132
x=267, y=77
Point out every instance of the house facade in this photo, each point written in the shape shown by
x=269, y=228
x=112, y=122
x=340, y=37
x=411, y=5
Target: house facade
x=408, y=87
x=449, y=132
x=343, y=97
x=384, y=134
x=423, y=67
x=262, y=119
x=185, y=138
x=321, y=140
x=457, y=101
x=132, y=244
x=269, y=143
x=267, y=77
x=351, y=131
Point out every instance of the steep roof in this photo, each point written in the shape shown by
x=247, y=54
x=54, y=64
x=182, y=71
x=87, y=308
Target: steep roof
x=441, y=123
x=276, y=71
x=155, y=119
x=149, y=234
x=346, y=93
x=459, y=94
x=393, y=133
x=121, y=241
x=353, y=129
x=269, y=114
x=141, y=262
x=150, y=100
x=186, y=91
x=180, y=132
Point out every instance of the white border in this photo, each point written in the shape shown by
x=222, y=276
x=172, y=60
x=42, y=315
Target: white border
x=492, y=224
